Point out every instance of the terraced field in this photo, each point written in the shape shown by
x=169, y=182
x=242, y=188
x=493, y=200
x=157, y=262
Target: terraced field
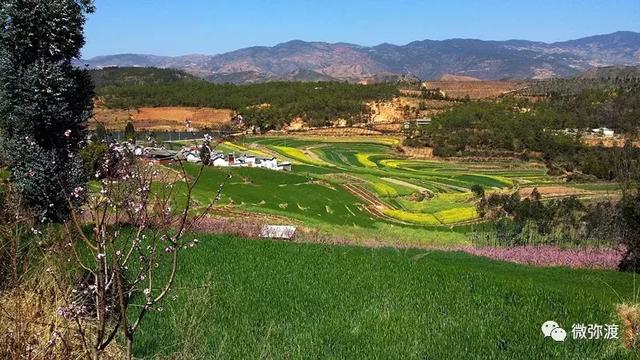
x=363, y=182
x=408, y=188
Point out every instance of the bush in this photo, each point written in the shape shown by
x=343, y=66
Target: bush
x=101, y=133
x=630, y=216
x=477, y=190
x=93, y=156
x=45, y=182
x=130, y=132
x=567, y=221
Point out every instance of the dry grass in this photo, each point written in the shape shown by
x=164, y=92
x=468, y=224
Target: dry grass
x=553, y=191
x=343, y=131
x=617, y=141
x=630, y=316
x=474, y=89
x=30, y=327
x=418, y=153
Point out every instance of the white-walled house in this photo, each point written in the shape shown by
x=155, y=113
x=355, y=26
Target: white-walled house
x=267, y=163
x=193, y=157
x=138, y=151
x=250, y=160
x=285, y=166
x=603, y=131
x=219, y=161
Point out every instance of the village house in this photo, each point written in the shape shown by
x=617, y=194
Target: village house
x=192, y=156
x=603, y=131
x=219, y=159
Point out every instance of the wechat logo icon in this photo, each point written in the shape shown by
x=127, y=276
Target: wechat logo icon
x=553, y=330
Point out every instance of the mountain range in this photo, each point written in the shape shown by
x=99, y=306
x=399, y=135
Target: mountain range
x=427, y=59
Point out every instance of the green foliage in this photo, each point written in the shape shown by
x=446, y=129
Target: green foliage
x=510, y=127
x=402, y=304
x=93, y=156
x=269, y=105
x=585, y=103
x=477, y=190
x=45, y=101
x=100, y=133
x=615, y=107
x=487, y=126
x=630, y=217
x=433, y=94
x=564, y=222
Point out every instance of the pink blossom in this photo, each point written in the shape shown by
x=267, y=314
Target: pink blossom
x=553, y=256
x=77, y=192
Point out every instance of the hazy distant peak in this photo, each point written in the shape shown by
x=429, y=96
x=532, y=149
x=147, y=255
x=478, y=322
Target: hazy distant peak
x=425, y=59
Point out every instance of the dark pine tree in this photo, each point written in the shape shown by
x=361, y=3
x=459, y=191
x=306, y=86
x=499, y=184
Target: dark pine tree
x=101, y=133
x=130, y=132
x=45, y=101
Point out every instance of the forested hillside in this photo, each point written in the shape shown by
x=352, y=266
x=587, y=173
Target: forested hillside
x=549, y=128
x=137, y=76
x=268, y=105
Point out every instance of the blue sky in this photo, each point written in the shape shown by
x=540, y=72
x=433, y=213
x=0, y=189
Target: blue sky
x=179, y=27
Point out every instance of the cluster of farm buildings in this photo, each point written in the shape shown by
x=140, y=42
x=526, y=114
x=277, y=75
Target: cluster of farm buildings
x=219, y=159
x=215, y=158
x=603, y=132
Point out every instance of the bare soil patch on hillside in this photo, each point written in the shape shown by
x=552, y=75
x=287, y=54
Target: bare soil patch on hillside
x=404, y=107
x=418, y=153
x=162, y=118
x=474, y=89
x=618, y=141
x=554, y=191
x=342, y=131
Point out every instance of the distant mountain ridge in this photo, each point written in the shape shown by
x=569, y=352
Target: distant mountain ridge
x=428, y=59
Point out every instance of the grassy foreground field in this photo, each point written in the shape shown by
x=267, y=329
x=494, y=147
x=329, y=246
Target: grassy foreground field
x=246, y=299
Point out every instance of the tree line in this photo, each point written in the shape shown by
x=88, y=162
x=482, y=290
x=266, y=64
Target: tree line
x=567, y=222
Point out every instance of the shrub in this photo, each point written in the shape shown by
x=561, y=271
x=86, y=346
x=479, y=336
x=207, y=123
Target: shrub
x=477, y=190
x=101, y=133
x=130, y=132
x=45, y=182
x=630, y=217
x=93, y=156
x=567, y=221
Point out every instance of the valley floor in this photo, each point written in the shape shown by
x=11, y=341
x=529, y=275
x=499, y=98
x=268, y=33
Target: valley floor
x=363, y=188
